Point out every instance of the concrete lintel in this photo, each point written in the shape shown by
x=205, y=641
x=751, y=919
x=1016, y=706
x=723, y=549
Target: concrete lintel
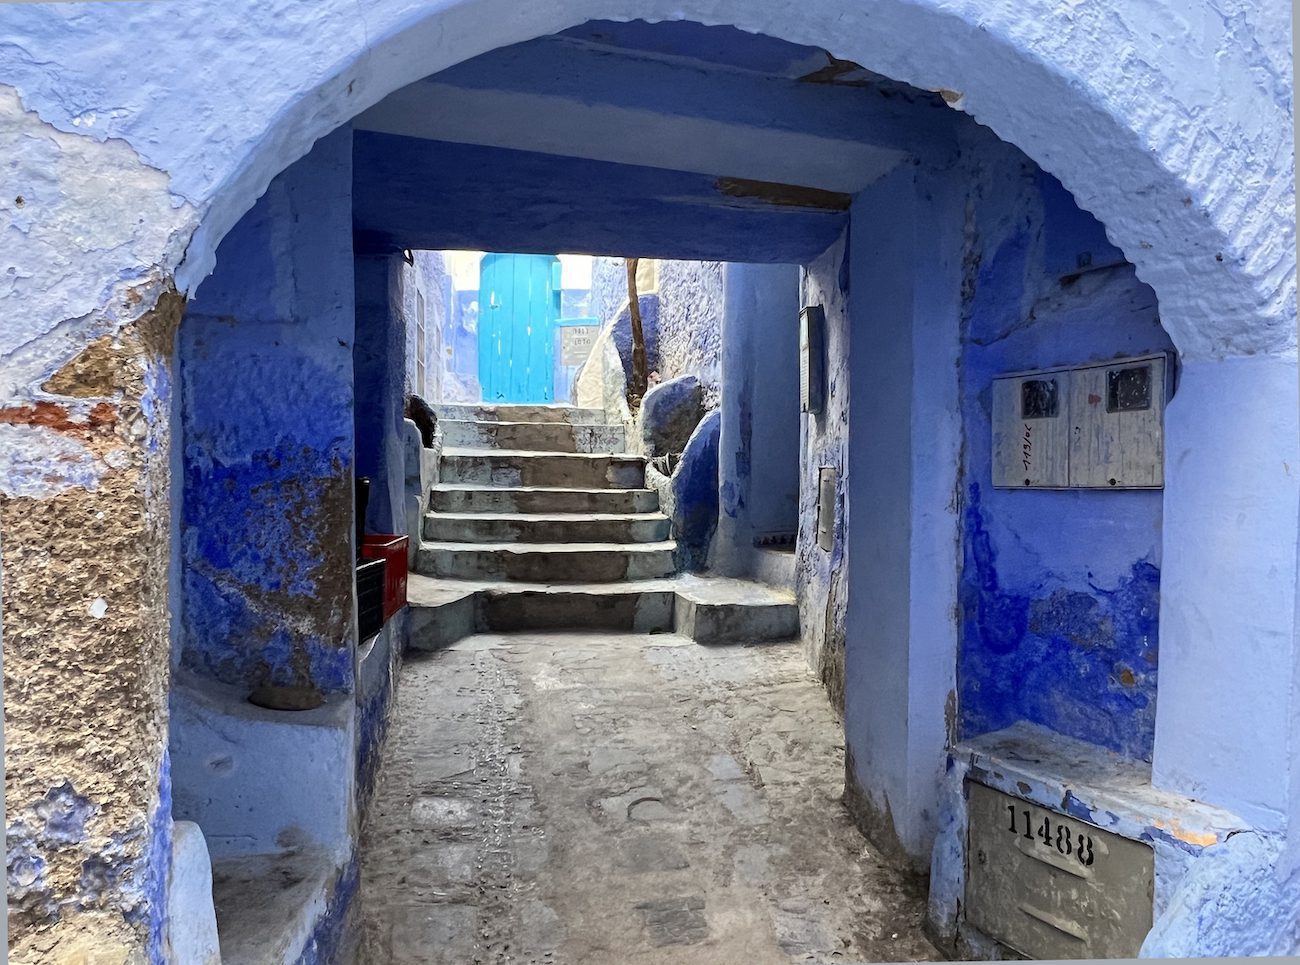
x=415, y=193
x=559, y=96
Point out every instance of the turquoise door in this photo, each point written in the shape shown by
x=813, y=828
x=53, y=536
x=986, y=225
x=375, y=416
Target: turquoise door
x=519, y=302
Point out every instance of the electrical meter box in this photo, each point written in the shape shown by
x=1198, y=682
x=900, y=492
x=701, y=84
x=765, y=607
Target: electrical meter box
x=1091, y=427
x=812, y=359
x=1031, y=430
x=1048, y=885
x=1117, y=437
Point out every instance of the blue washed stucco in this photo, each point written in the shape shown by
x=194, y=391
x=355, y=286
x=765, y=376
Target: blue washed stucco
x=695, y=494
x=1080, y=661
x=336, y=933
x=157, y=877
x=1059, y=593
x=411, y=192
x=266, y=439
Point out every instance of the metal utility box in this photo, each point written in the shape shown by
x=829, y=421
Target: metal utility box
x=1117, y=438
x=826, y=508
x=1031, y=430
x=1051, y=886
x=812, y=359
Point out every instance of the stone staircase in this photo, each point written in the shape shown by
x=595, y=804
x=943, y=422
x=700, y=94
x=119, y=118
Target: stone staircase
x=541, y=521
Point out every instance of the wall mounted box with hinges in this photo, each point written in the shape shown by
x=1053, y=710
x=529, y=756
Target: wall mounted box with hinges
x=812, y=359
x=1048, y=885
x=1090, y=427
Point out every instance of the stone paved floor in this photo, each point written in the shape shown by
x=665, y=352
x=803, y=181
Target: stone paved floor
x=588, y=798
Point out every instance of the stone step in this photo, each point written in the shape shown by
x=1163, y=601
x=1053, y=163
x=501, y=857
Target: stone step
x=549, y=500
x=537, y=414
x=532, y=436
x=541, y=528
x=547, y=562
x=626, y=606
x=512, y=467
x=734, y=611
x=718, y=610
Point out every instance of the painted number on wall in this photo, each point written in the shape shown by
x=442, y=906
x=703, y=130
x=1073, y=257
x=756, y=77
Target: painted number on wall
x=1067, y=840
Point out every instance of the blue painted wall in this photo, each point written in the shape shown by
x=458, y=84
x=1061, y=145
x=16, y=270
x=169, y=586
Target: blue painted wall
x=266, y=436
x=1059, y=590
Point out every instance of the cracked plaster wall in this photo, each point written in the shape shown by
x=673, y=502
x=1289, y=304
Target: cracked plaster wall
x=87, y=796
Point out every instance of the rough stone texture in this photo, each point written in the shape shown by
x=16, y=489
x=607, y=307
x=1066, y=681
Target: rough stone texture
x=685, y=318
x=1235, y=901
x=85, y=660
x=690, y=323
x=666, y=816
x=669, y=414
x=819, y=574
x=93, y=236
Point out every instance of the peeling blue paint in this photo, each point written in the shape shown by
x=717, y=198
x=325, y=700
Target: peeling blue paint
x=1059, y=594
x=65, y=813
x=1081, y=663
x=266, y=370
x=338, y=925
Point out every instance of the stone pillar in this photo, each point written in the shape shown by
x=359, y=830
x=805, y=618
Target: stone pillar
x=266, y=382
x=903, y=459
x=84, y=512
x=379, y=359
x=1228, y=712
x=758, y=485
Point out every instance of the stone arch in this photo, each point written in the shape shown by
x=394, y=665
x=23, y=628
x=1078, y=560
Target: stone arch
x=1194, y=181
x=1207, y=220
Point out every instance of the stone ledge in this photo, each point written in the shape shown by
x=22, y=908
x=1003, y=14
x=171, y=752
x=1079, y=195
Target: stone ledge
x=1092, y=784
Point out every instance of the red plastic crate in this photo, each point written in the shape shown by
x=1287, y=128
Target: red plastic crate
x=391, y=549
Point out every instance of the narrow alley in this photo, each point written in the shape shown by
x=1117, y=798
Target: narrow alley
x=708, y=481
x=588, y=797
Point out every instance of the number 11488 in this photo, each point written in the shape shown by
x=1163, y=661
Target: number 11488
x=1060, y=836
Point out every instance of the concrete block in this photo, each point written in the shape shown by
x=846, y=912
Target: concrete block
x=535, y=528
x=475, y=498
x=520, y=468
x=537, y=437
x=548, y=562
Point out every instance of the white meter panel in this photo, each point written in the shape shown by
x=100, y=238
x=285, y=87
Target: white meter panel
x=1031, y=430
x=1117, y=420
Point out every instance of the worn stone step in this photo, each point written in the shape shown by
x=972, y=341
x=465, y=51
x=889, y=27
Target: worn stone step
x=532, y=436
x=444, y=611
x=543, y=528
x=512, y=467
x=537, y=414
x=632, y=606
x=716, y=611
x=478, y=498
x=547, y=562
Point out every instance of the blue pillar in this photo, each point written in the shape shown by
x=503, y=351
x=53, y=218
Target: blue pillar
x=266, y=433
